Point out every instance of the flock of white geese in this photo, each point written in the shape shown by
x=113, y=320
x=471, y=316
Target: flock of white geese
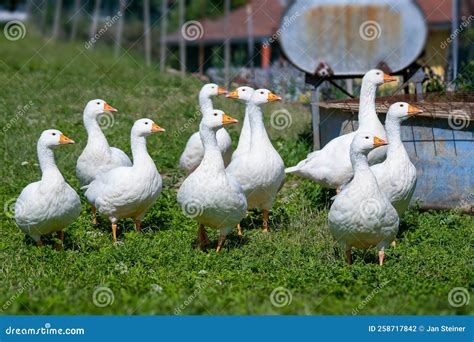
x=370, y=169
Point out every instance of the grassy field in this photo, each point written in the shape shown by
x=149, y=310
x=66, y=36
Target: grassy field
x=45, y=85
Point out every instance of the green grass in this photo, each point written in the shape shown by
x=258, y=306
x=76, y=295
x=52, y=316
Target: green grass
x=159, y=271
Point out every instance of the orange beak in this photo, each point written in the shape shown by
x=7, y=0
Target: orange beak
x=412, y=110
x=155, y=128
x=272, y=97
x=221, y=91
x=233, y=95
x=379, y=142
x=226, y=119
x=109, y=108
x=388, y=78
x=63, y=140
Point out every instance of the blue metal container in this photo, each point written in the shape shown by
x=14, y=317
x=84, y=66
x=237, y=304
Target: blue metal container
x=440, y=145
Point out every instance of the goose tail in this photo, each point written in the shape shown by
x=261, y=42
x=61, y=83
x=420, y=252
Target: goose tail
x=292, y=169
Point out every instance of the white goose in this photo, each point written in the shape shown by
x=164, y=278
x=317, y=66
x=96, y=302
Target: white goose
x=396, y=176
x=261, y=170
x=97, y=156
x=50, y=204
x=245, y=94
x=128, y=191
x=194, y=150
x=361, y=215
x=210, y=195
x=331, y=166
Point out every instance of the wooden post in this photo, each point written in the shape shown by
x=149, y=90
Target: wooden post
x=316, y=118
x=227, y=43
x=119, y=33
x=266, y=53
x=182, y=42
x=57, y=19
x=146, y=31
x=250, y=40
x=201, y=59
x=44, y=15
x=95, y=20
x=164, y=24
x=75, y=19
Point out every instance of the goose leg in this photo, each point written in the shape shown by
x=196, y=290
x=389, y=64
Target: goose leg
x=203, y=240
x=94, y=218
x=265, y=221
x=393, y=244
x=239, y=230
x=60, y=236
x=114, y=231
x=349, y=255
x=381, y=256
x=220, y=242
x=138, y=225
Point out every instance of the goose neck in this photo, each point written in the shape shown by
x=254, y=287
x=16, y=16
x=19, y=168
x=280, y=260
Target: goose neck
x=212, y=153
x=258, y=132
x=367, y=111
x=205, y=103
x=359, y=162
x=47, y=163
x=245, y=133
x=139, y=150
x=94, y=132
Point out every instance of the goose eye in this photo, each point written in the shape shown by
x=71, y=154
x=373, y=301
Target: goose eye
x=98, y=103
x=366, y=137
x=378, y=73
x=262, y=92
x=215, y=114
x=401, y=105
x=53, y=133
x=146, y=123
x=243, y=89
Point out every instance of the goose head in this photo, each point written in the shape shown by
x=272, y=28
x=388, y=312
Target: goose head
x=261, y=96
x=241, y=93
x=52, y=138
x=365, y=142
x=96, y=107
x=145, y=127
x=401, y=111
x=377, y=77
x=211, y=89
x=215, y=119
